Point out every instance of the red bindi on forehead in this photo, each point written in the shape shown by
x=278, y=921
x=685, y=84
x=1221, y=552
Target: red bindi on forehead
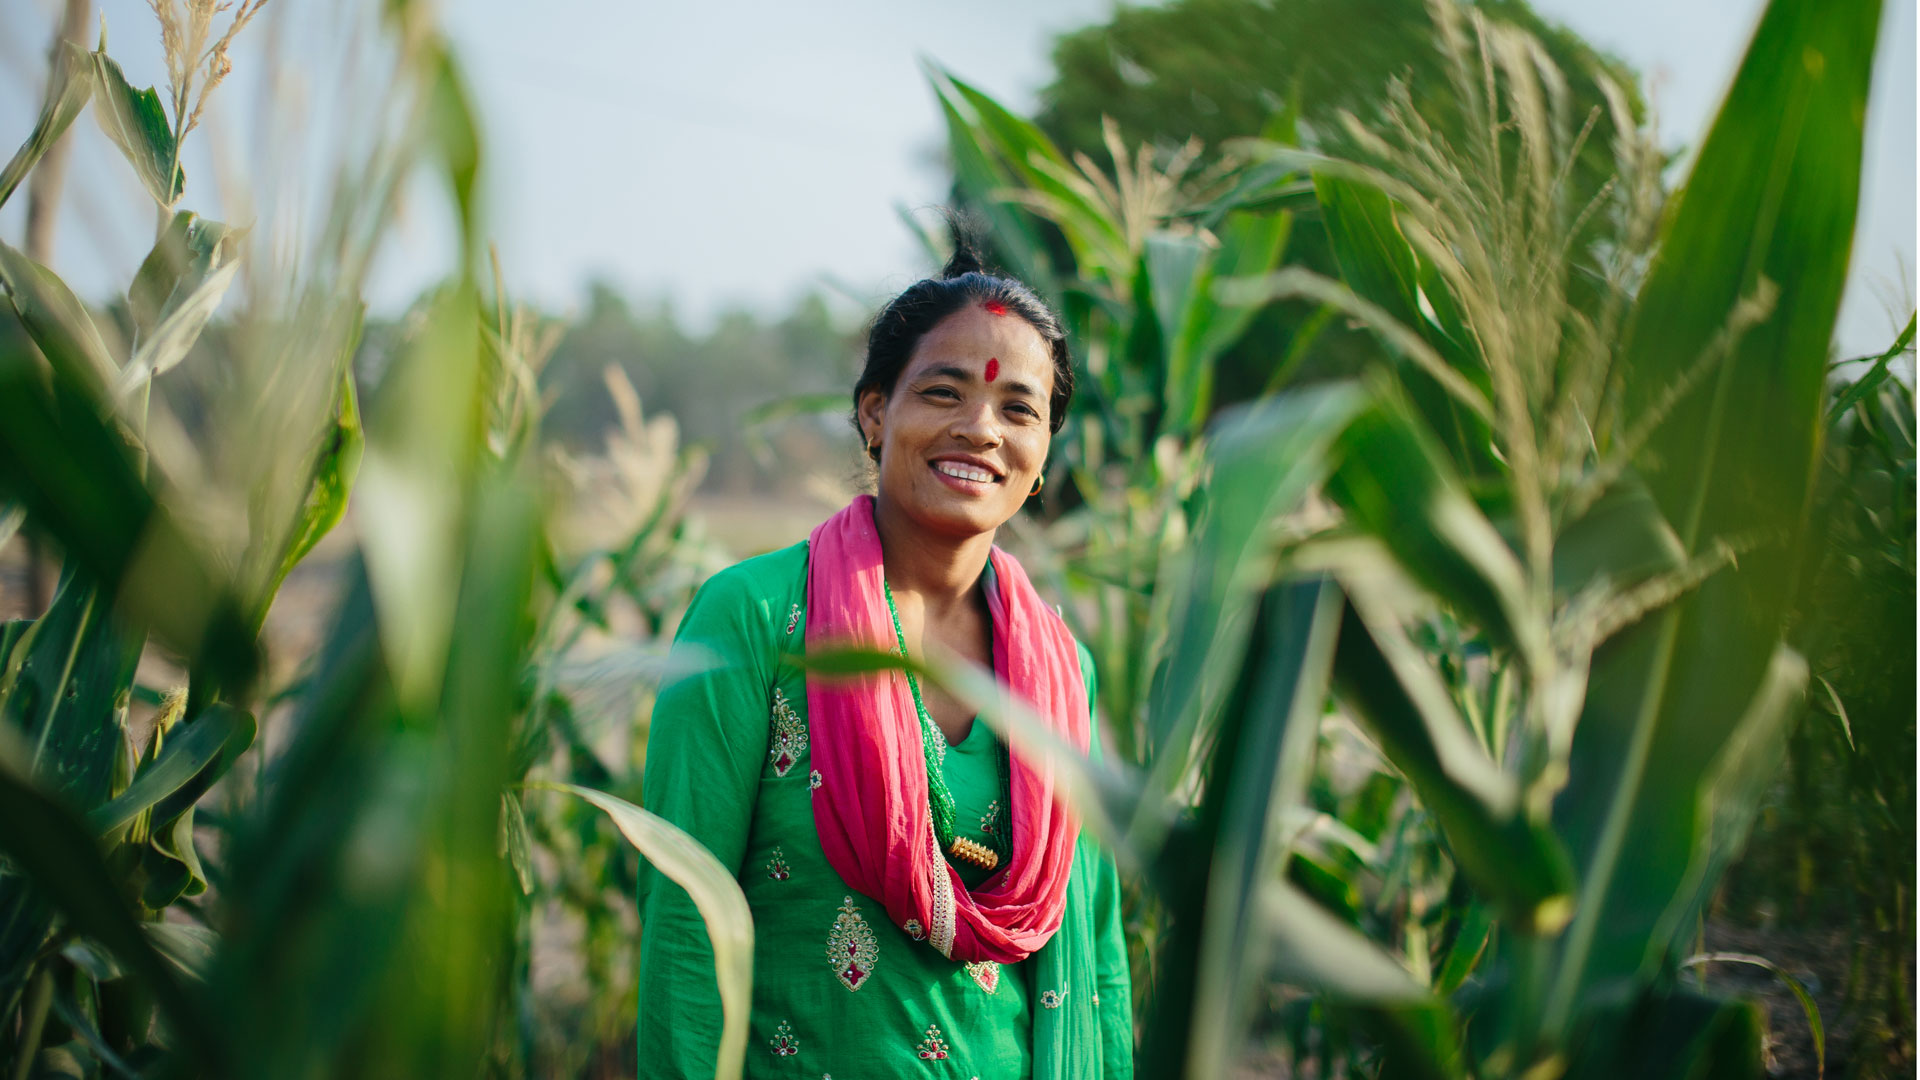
x=994, y=307
x=993, y=368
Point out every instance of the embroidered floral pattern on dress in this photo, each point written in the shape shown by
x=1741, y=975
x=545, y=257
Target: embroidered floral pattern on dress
x=789, y=735
x=915, y=930
x=986, y=973
x=988, y=819
x=851, y=948
x=793, y=618
x=933, y=1047
x=1096, y=999
x=813, y=780
x=783, y=1043
x=1051, y=999
x=777, y=868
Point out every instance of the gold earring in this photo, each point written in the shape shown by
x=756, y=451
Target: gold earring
x=873, y=450
x=1038, y=483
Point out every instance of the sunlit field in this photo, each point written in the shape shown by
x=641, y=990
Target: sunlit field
x=1502, y=589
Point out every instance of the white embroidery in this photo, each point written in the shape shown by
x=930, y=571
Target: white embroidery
x=1052, y=1000
x=942, y=932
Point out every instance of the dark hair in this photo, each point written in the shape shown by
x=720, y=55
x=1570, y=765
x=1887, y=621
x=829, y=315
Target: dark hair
x=897, y=330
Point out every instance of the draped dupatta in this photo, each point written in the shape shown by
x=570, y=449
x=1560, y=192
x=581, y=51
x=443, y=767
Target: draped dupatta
x=870, y=797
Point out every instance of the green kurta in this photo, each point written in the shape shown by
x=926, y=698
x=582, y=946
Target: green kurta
x=838, y=990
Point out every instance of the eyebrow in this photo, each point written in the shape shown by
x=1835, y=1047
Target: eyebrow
x=962, y=374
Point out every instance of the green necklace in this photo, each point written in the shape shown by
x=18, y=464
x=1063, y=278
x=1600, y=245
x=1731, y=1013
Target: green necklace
x=939, y=797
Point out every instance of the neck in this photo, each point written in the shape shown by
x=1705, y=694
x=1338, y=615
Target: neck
x=941, y=570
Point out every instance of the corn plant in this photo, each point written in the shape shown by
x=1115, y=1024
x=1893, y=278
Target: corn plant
x=1148, y=243
x=357, y=915
x=1546, y=578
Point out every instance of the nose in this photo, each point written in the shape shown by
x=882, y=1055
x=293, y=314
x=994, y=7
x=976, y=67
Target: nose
x=978, y=424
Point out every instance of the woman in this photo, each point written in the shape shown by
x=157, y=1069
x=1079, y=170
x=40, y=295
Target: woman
x=922, y=903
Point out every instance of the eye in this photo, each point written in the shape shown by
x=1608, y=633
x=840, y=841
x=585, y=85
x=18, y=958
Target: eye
x=943, y=391
x=1023, y=407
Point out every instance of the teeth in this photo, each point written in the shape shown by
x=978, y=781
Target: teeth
x=964, y=472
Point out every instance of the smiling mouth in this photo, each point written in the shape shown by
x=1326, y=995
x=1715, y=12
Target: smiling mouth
x=970, y=473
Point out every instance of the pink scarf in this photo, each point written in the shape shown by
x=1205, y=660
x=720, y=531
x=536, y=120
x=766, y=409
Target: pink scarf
x=870, y=787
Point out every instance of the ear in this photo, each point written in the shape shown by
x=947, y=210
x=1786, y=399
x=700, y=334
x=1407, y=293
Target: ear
x=872, y=413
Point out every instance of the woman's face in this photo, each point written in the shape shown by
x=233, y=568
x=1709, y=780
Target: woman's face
x=965, y=432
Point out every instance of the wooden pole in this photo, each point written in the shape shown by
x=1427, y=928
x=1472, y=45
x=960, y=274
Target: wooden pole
x=43, y=204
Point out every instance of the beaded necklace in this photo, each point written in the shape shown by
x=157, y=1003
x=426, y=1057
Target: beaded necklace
x=939, y=797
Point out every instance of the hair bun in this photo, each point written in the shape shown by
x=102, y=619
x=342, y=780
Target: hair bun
x=965, y=260
x=965, y=234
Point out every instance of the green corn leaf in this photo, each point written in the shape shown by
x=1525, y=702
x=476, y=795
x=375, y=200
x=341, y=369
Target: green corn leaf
x=57, y=321
x=1772, y=197
x=1381, y=267
x=1731, y=793
x=1681, y=1035
x=1470, y=940
x=418, y=443
x=1264, y=761
x=1265, y=458
x=515, y=844
x=1250, y=245
x=713, y=890
x=331, y=482
x=58, y=854
x=1622, y=538
x=189, y=948
x=1315, y=950
x=175, y=292
x=188, y=249
x=1394, y=483
x=67, y=93
x=71, y=1016
x=1375, y=259
x=72, y=469
x=1099, y=242
x=1869, y=382
x=455, y=134
x=1516, y=863
x=982, y=178
x=1203, y=325
x=64, y=687
x=219, y=734
x=185, y=318
x=137, y=123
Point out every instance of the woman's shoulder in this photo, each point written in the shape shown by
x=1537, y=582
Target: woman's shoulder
x=761, y=582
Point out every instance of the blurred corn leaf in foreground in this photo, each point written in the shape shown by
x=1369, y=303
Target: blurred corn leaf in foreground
x=359, y=917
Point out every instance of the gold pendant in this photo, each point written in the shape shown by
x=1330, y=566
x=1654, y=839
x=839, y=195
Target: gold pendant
x=978, y=854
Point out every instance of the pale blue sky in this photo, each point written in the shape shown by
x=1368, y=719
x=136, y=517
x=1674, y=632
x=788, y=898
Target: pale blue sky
x=741, y=154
